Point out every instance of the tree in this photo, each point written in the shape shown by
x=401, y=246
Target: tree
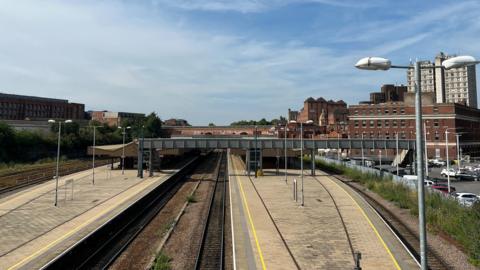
x=211, y=125
x=153, y=126
x=7, y=142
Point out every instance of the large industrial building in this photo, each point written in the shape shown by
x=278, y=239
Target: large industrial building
x=18, y=107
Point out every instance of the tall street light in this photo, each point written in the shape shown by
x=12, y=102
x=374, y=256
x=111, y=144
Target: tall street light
x=140, y=156
x=378, y=63
x=285, y=148
x=458, y=150
x=448, y=159
x=93, y=155
x=396, y=151
x=58, y=154
x=123, y=147
x=256, y=145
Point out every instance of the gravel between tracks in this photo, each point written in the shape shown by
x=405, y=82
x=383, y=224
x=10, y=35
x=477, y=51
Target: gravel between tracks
x=139, y=253
x=183, y=244
x=449, y=252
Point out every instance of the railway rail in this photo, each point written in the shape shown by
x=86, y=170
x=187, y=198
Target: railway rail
x=408, y=238
x=16, y=180
x=100, y=248
x=211, y=251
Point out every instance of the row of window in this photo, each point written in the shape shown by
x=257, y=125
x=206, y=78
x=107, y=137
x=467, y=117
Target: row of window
x=386, y=123
x=401, y=135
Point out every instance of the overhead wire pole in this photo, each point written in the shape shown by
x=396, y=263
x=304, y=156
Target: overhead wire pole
x=256, y=152
x=396, y=152
x=93, y=156
x=58, y=160
x=301, y=159
x=285, y=146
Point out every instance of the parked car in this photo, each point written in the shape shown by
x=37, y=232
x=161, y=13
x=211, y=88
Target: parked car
x=437, y=162
x=449, y=172
x=468, y=177
x=466, y=199
x=428, y=183
x=442, y=188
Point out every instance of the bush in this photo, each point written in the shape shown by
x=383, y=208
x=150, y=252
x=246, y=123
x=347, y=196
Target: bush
x=162, y=262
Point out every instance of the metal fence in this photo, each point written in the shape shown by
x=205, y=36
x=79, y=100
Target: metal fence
x=410, y=183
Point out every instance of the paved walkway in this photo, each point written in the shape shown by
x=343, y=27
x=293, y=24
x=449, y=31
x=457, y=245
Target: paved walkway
x=33, y=231
x=314, y=233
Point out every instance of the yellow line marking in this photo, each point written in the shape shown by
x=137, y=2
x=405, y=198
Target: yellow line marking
x=76, y=229
x=371, y=224
x=251, y=224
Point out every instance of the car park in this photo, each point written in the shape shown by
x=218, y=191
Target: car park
x=467, y=199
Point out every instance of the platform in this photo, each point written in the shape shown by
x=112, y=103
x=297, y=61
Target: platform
x=33, y=231
x=272, y=231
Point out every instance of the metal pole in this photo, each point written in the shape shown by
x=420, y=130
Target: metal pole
x=93, y=156
x=458, y=150
x=396, y=153
x=426, y=150
x=286, y=153
x=338, y=144
x=58, y=160
x=123, y=152
x=140, y=157
x=256, y=152
x=301, y=160
x=363, y=157
x=420, y=170
x=380, y=154
x=448, y=162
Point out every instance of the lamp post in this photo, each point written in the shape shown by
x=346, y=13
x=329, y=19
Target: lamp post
x=256, y=145
x=396, y=151
x=140, y=156
x=426, y=149
x=363, y=155
x=301, y=159
x=448, y=159
x=377, y=63
x=93, y=156
x=123, y=148
x=58, y=154
x=285, y=132
x=458, y=150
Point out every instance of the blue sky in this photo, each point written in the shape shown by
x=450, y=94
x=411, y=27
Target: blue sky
x=217, y=60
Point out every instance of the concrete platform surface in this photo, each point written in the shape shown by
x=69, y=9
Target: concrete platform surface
x=34, y=231
x=314, y=236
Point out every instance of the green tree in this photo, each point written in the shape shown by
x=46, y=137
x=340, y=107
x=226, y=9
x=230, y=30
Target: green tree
x=153, y=126
x=7, y=142
x=211, y=125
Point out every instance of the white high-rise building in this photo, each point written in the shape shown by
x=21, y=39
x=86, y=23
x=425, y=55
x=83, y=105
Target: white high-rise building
x=457, y=85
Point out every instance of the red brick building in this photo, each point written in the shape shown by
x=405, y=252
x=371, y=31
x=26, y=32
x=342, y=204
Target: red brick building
x=114, y=118
x=18, y=107
x=385, y=120
x=332, y=115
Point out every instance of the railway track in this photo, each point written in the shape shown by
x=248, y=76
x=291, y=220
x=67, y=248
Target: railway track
x=408, y=238
x=211, y=251
x=17, y=180
x=100, y=248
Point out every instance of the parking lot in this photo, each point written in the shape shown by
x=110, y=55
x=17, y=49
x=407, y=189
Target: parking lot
x=461, y=186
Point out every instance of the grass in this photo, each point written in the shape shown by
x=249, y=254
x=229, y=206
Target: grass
x=162, y=262
x=191, y=199
x=442, y=214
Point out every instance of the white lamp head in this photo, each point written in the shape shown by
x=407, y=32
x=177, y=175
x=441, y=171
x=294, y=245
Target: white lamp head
x=373, y=63
x=459, y=61
x=309, y=122
x=51, y=121
x=68, y=121
x=129, y=127
x=293, y=121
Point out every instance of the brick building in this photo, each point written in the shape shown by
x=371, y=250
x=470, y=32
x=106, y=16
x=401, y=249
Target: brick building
x=385, y=120
x=176, y=122
x=114, y=118
x=18, y=107
x=330, y=114
x=388, y=93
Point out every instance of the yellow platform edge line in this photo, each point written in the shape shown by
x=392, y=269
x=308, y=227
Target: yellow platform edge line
x=371, y=225
x=251, y=222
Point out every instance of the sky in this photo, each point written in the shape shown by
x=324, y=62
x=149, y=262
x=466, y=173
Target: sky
x=217, y=60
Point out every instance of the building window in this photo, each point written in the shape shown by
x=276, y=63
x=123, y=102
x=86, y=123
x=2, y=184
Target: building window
x=372, y=123
x=387, y=123
x=394, y=123
x=356, y=123
x=402, y=123
x=364, y=123
x=436, y=123
x=371, y=134
x=356, y=112
x=394, y=110
x=387, y=135
x=379, y=123
x=402, y=110
x=437, y=136
x=386, y=111
x=403, y=135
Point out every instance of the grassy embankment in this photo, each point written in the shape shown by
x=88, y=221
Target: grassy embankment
x=442, y=214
